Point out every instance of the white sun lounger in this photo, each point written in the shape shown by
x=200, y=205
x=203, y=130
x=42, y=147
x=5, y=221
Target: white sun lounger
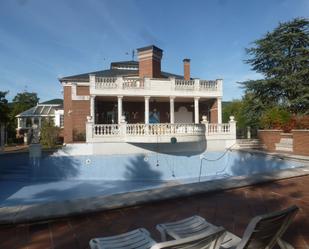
x=263, y=231
x=140, y=239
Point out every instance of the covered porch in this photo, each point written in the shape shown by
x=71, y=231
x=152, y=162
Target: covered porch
x=153, y=110
x=155, y=119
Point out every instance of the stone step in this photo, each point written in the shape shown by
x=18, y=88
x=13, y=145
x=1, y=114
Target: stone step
x=249, y=144
x=284, y=148
x=286, y=141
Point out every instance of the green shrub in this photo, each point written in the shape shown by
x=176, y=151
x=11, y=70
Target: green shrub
x=49, y=133
x=277, y=118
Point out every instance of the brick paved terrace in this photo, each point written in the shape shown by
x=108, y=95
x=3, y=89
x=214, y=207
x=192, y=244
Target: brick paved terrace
x=232, y=209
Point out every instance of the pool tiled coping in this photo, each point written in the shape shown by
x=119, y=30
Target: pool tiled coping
x=52, y=210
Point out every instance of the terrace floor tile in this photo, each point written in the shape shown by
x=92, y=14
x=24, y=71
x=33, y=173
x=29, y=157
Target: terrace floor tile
x=231, y=209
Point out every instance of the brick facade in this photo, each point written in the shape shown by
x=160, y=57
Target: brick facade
x=269, y=138
x=67, y=105
x=75, y=114
x=214, y=112
x=301, y=142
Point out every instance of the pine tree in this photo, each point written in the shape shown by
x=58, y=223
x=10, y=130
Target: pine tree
x=282, y=57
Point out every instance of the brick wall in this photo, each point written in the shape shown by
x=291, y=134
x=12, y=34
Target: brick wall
x=269, y=138
x=214, y=112
x=67, y=106
x=75, y=114
x=82, y=90
x=301, y=142
x=81, y=109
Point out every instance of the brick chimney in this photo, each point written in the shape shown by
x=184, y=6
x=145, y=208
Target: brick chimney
x=150, y=61
x=186, y=69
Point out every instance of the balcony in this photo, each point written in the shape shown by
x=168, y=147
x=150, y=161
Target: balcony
x=106, y=86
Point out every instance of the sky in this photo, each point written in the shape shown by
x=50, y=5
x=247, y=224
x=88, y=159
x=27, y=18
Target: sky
x=42, y=40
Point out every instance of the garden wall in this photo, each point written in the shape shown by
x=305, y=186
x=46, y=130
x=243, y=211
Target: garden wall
x=269, y=138
x=300, y=140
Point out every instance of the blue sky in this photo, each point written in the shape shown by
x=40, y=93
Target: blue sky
x=42, y=40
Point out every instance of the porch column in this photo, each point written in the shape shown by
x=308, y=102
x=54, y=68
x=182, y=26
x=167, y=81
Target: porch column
x=40, y=122
x=219, y=106
x=147, y=109
x=92, y=107
x=196, y=110
x=172, y=114
x=119, y=108
x=18, y=123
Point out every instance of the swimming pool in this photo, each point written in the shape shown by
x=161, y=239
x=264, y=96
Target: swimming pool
x=56, y=178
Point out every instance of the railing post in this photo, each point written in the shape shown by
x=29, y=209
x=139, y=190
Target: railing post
x=89, y=129
x=173, y=83
x=232, y=124
x=92, y=82
x=219, y=85
x=205, y=122
x=123, y=126
x=196, y=84
x=119, y=82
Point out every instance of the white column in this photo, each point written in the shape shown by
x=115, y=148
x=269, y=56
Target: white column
x=119, y=108
x=40, y=122
x=147, y=109
x=219, y=108
x=196, y=110
x=172, y=109
x=18, y=123
x=92, y=112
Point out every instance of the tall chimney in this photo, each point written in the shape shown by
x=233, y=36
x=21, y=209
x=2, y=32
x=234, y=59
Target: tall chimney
x=186, y=69
x=150, y=61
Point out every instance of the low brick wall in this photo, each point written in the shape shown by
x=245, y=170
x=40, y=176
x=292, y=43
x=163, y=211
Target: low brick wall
x=301, y=142
x=269, y=138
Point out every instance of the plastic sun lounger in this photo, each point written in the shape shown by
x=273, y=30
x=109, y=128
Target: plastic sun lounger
x=140, y=239
x=263, y=231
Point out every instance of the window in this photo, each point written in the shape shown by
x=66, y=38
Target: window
x=61, y=120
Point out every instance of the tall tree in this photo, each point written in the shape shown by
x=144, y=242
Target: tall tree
x=4, y=108
x=23, y=101
x=282, y=57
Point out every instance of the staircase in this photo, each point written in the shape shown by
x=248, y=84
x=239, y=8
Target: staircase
x=249, y=144
x=286, y=143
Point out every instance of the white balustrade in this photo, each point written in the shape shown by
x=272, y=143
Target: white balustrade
x=106, y=130
x=135, y=83
x=105, y=82
x=164, y=129
x=219, y=128
x=126, y=83
x=184, y=84
x=160, y=129
x=208, y=85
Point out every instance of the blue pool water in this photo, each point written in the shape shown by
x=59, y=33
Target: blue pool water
x=55, y=178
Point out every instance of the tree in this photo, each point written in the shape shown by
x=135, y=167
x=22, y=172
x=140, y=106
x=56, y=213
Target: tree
x=24, y=101
x=49, y=133
x=282, y=57
x=4, y=108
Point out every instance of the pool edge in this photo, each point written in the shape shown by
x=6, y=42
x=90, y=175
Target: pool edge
x=46, y=211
